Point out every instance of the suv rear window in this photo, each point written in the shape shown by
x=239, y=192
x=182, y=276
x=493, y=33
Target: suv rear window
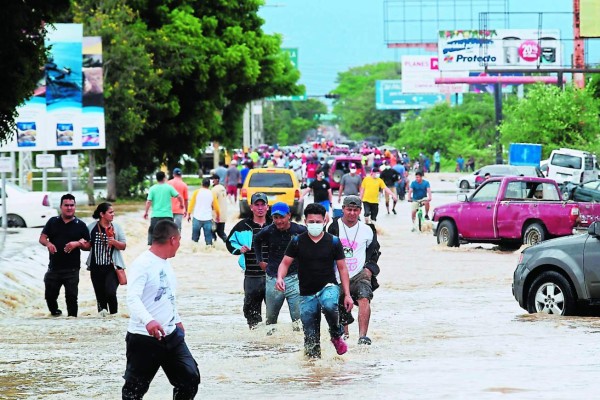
x=267, y=179
x=566, y=161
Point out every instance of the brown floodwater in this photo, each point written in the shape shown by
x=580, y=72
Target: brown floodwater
x=444, y=326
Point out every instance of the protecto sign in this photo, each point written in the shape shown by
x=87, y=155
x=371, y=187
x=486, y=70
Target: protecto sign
x=474, y=50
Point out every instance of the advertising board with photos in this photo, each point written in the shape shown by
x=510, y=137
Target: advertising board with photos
x=66, y=111
x=474, y=50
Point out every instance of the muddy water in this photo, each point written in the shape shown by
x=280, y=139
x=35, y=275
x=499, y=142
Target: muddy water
x=444, y=326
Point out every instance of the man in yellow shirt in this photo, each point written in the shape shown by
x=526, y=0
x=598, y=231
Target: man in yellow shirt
x=369, y=194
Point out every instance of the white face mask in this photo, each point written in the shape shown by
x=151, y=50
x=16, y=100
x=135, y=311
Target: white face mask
x=376, y=176
x=353, y=170
x=314, y=229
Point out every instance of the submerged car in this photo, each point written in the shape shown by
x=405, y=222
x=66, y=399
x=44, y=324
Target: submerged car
x=560, y=275
x=25, y=209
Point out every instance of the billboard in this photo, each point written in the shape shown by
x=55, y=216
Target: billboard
x=590, y=15
x=60, y=115
x=389, y=96
x=473, y=50
x=419, y=73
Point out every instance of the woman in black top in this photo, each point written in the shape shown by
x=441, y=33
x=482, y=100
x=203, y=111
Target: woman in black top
x=107, y=240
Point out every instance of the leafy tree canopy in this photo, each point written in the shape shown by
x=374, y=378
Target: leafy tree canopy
x=286, y=122
x=554, y=118
x=356, y=105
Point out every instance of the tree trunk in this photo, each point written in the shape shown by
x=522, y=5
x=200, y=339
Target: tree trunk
x=90, y=182
x=111, y=174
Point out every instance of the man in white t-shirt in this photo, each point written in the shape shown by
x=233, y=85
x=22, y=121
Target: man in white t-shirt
x=221, y=194
x=202, y=204
x=356, y=237
x=155, y=334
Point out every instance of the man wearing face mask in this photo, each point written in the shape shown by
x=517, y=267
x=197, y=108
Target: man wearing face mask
x=369, y=194
x=276, y=237
x=350, y=184
x=315, y=252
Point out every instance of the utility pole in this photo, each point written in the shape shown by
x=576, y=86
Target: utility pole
x=578, y=48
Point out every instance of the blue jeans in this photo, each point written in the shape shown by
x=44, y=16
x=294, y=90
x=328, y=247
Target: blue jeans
x=274, y=298
x=197, y=225
x=326, y=301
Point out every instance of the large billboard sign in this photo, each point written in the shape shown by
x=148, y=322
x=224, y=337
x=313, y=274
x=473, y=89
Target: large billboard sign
x=389, y=96
x=419, y=73
x=473, y=50
x=66, y=111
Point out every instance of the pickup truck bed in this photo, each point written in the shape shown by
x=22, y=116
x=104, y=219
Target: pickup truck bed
x=509, y=211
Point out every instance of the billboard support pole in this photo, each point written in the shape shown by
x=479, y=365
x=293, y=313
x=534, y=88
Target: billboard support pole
x=498, y=110
x=45, y=177
x=69, y=176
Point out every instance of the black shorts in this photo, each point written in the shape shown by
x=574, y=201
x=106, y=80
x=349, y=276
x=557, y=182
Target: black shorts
x=371, y=210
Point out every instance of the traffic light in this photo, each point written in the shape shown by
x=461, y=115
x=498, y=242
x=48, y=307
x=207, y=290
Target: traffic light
x=332, y=96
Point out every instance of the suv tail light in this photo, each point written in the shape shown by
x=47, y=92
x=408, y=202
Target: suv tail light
x=296, y=194
x=46, y=201
x=244, y=193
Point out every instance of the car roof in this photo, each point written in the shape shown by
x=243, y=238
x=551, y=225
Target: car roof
x=270, y=170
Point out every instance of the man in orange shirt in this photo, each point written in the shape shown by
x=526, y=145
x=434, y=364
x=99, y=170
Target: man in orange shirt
x=179, y=213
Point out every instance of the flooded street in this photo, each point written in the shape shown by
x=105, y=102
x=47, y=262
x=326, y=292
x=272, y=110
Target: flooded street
x=444, y=325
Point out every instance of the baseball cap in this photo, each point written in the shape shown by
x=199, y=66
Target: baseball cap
x=280, y=208
x=375, y=169
x=215, y=177
x=259, y=196
x=352, y=201
x=177, y=171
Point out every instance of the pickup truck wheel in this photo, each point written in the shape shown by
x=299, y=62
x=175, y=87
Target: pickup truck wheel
x=464, y=184
x=551, y=293
x=534, y=234
x=447, y=235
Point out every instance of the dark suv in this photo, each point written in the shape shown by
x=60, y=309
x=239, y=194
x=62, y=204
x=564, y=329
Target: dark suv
x=556, y=276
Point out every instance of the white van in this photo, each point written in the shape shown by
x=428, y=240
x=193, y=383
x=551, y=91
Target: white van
x=570, y=165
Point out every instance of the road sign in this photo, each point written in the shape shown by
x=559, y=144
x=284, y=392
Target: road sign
x=69, y=161
x=389, y=96
x=5, y=164
x=44, y=160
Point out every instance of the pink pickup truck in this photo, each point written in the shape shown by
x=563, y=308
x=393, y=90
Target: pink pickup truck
x=510, y=211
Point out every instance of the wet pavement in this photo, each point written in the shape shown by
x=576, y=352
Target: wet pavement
x=444, y=326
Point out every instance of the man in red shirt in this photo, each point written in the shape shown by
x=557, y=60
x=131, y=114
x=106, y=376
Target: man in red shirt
x=182, y=188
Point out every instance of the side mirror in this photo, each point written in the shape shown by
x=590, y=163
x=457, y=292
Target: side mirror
x=461, y=197
x=565, y=196
x=594, y=229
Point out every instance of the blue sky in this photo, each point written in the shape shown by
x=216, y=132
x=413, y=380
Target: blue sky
x=335, y=35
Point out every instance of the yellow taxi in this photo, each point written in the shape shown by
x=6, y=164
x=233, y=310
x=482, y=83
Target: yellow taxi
x=279, y=184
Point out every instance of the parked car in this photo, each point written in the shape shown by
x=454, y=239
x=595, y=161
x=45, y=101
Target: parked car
x=279, y=184
x=509, y=211
x=496, y=170
x=341, y=166
x=558, y=276
x=25, y=209
x=570, y=165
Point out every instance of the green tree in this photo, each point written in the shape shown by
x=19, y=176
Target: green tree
x=466, y=129
x=554, y=118
x=200, y=63
x=286, y=122
x=356, y=105
x=23, y=29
